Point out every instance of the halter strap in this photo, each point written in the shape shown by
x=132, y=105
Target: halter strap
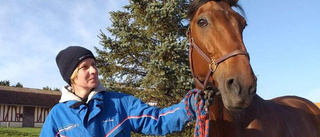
x=212, y=63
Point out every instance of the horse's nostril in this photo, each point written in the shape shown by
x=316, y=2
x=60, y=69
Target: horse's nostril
x=233, y=86
x=230, y=82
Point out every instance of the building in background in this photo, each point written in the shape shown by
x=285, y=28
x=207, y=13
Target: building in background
x=25, y=107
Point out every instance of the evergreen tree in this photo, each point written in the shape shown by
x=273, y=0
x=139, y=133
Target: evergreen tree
x=46, y=88
x=19, y=85
x=5, y=83
x=147, y=54
x=52, y=89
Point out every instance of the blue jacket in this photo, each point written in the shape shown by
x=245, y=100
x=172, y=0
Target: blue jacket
x=111, y=114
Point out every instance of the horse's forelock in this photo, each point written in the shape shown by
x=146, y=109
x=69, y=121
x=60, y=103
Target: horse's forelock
x=195, y=4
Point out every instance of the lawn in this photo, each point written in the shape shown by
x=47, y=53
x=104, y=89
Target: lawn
x=19, y=132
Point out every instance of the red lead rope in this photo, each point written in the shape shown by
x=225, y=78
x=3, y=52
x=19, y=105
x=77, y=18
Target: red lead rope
x=202, y=115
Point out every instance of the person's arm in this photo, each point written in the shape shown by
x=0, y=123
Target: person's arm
x=154, y=121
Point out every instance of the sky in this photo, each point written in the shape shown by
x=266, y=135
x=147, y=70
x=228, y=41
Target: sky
x=282, y=38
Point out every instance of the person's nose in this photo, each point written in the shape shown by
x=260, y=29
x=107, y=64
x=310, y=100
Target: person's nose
x=93, y=70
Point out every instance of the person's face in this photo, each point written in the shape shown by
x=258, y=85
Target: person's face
x=87, y=77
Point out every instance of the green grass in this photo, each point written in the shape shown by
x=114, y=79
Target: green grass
x=19, y=132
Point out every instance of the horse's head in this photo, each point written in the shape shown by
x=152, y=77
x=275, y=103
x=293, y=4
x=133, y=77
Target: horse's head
x=216, y=39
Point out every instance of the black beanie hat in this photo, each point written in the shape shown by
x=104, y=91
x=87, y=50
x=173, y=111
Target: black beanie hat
x=69, y=58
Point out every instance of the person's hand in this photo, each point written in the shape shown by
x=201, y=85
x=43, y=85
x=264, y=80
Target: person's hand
x=198, y=101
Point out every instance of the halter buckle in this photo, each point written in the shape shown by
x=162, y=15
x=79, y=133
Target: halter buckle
x=213, y=63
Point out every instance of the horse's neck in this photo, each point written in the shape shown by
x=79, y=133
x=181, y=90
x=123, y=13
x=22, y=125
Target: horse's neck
x=232, y=121
x=219, y=111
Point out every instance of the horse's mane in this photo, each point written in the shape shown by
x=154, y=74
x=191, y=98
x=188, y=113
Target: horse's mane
x=196, y=4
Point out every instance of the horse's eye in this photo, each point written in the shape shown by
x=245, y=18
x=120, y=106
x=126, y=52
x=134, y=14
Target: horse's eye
x=202, y=22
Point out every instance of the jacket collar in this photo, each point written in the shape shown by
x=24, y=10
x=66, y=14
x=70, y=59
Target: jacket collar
x=68, y=95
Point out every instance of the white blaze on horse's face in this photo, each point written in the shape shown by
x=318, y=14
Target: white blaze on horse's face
x=217, y=29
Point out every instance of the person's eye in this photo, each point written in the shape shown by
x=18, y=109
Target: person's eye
x=84, y=67
x=93, y=64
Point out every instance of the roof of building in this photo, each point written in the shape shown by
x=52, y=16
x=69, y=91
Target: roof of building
x=28, y=96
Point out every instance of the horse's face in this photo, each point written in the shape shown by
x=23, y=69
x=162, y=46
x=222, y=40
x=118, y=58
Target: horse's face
x=217, y=29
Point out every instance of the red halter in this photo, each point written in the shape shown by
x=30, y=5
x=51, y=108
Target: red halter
x=213, y=63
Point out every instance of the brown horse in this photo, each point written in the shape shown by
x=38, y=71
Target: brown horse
x=216, y=41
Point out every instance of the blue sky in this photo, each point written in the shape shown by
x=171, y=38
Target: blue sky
x=282, y=38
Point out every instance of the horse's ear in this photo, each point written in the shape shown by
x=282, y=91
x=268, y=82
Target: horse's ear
x=232, y=2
